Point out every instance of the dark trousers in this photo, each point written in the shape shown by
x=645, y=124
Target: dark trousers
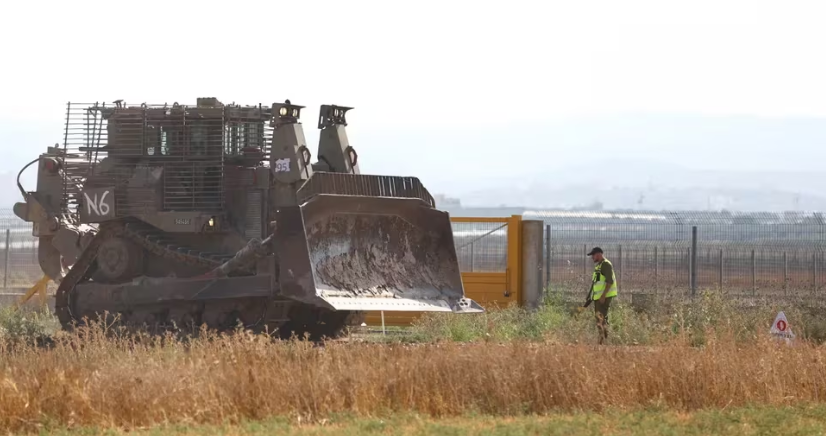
x=601, y=315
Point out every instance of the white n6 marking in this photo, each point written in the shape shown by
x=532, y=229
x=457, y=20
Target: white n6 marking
x=99, y=206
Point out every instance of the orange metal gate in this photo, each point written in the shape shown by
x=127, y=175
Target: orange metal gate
x=489, y=252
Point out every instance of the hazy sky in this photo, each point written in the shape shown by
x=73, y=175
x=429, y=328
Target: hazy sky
x=438, y=86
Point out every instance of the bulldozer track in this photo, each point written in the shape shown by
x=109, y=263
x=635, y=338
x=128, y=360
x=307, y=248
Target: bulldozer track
x=147, y=237
x=159, y=244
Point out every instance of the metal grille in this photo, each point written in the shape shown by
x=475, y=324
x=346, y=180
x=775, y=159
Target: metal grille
x=751, y=254
x=160, y=157
x=481, y=247
x=364, y=185
x=254, y=215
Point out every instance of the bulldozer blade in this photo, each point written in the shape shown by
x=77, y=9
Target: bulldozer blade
x=369, y=254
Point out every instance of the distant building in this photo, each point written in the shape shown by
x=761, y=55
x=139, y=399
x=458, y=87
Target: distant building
x=443, y=201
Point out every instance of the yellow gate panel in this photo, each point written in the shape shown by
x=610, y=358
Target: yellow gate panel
x=487, y=288
x=392, y=318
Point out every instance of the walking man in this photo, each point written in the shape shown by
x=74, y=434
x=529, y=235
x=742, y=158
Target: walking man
x=603, y=290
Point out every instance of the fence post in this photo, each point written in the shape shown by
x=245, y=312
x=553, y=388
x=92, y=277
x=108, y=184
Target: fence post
x=656, y=271
x=814, y=271
x=532, y=292
x=753, y=273
x=547, y=256
x=785, y=274
x=620, y=264
x=693, y=261
x=6, y=267
x=721, y=270
x=678, y=263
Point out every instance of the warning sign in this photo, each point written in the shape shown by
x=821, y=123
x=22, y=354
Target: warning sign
x=780, y=327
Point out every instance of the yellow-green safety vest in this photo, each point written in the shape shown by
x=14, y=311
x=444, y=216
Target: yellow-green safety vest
x=599, y=281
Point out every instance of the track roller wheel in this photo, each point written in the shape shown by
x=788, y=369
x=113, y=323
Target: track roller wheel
x=118, y=260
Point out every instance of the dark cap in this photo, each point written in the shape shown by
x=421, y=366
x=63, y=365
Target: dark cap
x=594, y=250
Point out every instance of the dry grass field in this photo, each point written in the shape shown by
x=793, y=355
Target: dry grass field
x=475, y=373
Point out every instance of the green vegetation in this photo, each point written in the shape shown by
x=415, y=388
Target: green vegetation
x=788, y=421
x=660, y=321
x=557, y=321
x=25, y=324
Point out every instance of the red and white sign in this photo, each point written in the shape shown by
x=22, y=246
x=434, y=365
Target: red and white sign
x=780, y=327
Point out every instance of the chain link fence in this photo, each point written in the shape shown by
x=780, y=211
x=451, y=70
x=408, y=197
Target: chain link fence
x=747, y=254
x=19, y=267
x=751, y=254
x=481, y=246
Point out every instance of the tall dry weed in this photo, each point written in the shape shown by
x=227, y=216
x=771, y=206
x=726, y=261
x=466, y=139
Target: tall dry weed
x=504, y=362
x=89, y=378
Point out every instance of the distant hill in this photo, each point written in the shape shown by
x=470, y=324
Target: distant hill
x=629, y=162
x=638, y=186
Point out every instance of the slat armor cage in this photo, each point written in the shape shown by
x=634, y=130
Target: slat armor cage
x=160, y=157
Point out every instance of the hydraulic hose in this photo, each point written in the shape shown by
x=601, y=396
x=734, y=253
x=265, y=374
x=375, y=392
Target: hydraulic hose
x=19, y=185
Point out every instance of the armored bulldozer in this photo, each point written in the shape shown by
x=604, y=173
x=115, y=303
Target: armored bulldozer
x=215, y=214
